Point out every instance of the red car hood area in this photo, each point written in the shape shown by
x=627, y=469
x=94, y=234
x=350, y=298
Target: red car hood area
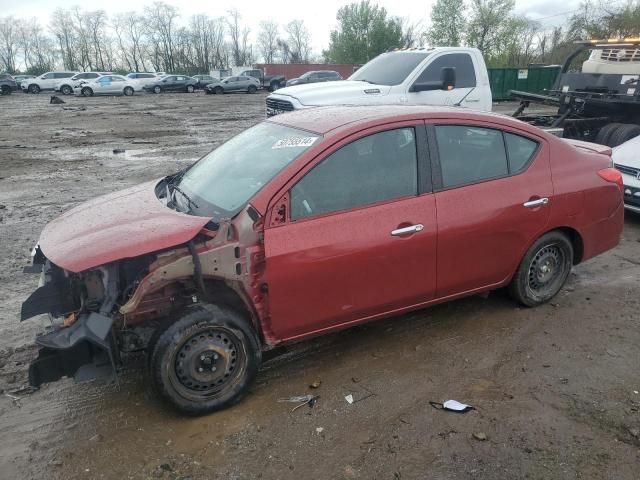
x=119, y=225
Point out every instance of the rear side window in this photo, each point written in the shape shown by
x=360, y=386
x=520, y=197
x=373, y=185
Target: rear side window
x=465, y=73
x=379, y=167
x=520, y=151
x=470, y=154
x=63, y=75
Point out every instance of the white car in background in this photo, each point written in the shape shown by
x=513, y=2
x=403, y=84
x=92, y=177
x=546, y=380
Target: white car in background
x=140, y=79
x=46, y=81
x=626, y=158
x=67, y=85
x=106, y=85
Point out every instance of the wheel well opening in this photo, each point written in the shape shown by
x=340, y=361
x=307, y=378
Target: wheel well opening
x=576, y=242
x=220, y=293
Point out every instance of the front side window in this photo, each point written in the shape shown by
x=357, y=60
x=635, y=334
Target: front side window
x=389, y=68
x=222, y=182
x=47, y=76
x=376, y=168
x=465, y=73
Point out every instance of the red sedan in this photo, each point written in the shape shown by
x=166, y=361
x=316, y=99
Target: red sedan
x=312, y=222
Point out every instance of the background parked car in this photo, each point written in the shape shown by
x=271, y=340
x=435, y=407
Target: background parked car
x=106, y=85
x=67, y=85
x=270, y=82
x=172, y=83
x=204, y=80
x=140, y=79
x=234, y=84
x=46, y=81
x=21, y=78
x=7, y=84
x=626, y=158
x=315, y=76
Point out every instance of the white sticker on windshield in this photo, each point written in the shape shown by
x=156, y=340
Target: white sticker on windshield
x=294, y=142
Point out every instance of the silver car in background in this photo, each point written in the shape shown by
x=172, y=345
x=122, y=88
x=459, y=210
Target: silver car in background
x=234, y=84
x=106, y=85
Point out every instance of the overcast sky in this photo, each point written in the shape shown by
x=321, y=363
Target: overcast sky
x=318, y=15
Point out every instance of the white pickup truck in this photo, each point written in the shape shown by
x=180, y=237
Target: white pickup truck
x=433, y=76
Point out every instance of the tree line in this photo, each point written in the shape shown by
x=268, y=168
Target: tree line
x=158, y=38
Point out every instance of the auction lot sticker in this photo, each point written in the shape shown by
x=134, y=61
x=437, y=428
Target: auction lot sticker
x=294, y=142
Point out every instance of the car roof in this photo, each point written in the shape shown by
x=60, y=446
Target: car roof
x=322, y=120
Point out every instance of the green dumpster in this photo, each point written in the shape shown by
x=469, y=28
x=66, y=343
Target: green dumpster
x=533, y=79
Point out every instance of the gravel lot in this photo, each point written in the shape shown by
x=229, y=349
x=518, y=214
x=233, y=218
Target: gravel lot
x=556, y=388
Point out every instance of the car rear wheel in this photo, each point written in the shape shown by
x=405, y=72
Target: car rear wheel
x=206, y=360
x=66, y=90
x=218, y=90
x=252, y=89
x=34, y=88
x=128, y=91
x=5, y=90
x=623, y=133
x=190, y=88
x=87, y=92
x=543, y=270
x=157, y=89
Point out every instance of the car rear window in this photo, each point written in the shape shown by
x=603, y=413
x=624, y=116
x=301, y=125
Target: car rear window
x=520, y=151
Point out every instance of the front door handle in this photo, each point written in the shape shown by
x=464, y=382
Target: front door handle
x=535, y=203
x=406, y=230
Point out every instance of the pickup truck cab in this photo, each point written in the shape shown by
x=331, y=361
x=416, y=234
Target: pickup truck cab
x=421, y=76
x=270, y=82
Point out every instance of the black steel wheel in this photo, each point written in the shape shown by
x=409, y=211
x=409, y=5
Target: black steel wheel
x=206, y=360
x=543, y=270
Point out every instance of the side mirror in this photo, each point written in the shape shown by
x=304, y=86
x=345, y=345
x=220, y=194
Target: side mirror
x=447, y=82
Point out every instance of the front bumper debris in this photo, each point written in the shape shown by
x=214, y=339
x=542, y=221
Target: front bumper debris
x=85, y=351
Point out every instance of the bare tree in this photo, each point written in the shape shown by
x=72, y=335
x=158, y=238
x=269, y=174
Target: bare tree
x=8, y=43
x=63, y=29
x=161, y=24
x=268, y=40
x=129, y=29
x=298, y=41
x=241, y=51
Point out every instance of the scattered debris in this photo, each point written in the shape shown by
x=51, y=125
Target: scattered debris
x=118, y=150
x=635, y=432
x=55, y=100
x=355, y=379
x=349, y=399
x=481, y=436
x=315, y=384
x=96, y=438
x=564, y=381
x=166, y=467
x=319, y=430
x=452, y=405
x=81, y=108
x=302, y=400
x=611, y=353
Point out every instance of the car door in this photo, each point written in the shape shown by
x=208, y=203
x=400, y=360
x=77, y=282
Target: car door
x=102, y=85
x=493, y=194
x=117, y=85
x=232, y=84
x=167, y=83
x=465, y=81
x=359, y=240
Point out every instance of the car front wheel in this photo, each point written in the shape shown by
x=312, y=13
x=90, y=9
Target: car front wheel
x=206, y=360
x=543, y=270
x=128, y=91
x=157, y=89
x=34, y=88
x=218, y=90
x=252, y=89
x=5, y=90
x=87, y=92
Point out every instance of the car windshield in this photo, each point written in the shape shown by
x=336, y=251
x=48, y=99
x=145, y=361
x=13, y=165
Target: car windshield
x=221, y=183
x=389, y=68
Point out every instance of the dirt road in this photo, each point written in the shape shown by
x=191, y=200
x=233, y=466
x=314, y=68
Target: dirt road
x=555, y=388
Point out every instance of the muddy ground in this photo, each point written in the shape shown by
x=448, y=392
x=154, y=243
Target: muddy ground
x=555, y=388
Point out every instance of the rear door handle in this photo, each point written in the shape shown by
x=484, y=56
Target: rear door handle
x=405, y=230
x=536, y=203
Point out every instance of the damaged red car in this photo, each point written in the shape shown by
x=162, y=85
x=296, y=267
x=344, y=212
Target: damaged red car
x=308, y=223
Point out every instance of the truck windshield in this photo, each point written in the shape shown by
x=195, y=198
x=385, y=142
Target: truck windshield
x=389, y=68
x=221, y=183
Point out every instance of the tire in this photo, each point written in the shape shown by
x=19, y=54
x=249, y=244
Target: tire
x=66, y=90
x=623, y=133
x=190, y=89
x=157, y=89
x=543, y=270
x=87, y=92
x=128, y=91
x=603, y=135
x=274, y=86
x=5, y=90
x=218, y=90
x=252, y=89
x=206, y=337
x=33, y=88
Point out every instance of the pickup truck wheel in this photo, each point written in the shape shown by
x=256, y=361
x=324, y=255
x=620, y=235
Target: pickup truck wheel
x=33, y=88
x=252, y=89
x=623, y=133
x=274, y=86
x=206, y=360
x=543, y=270
x=66, y=90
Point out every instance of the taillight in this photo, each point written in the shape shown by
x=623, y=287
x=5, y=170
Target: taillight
x=612, y=175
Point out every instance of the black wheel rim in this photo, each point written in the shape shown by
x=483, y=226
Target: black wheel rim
x=206, y=363
x=546, y=270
